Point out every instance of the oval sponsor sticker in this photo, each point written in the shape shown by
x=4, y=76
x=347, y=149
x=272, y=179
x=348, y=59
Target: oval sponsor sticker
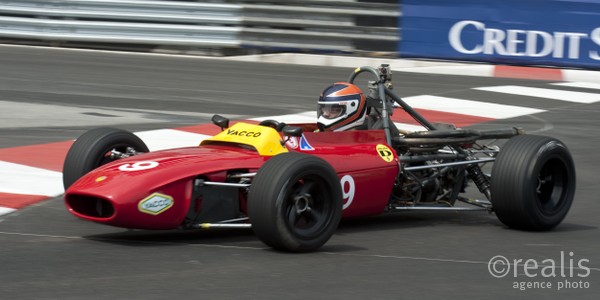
x=155, y=204
x=385, y=152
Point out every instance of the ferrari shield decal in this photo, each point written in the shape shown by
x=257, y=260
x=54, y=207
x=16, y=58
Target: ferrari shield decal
x=155, y=204
x=304, y=145
x=385, y=153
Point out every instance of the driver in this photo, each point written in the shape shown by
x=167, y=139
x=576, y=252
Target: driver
x=342, y=106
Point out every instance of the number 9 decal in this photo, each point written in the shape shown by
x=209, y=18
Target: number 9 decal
x=348, y=189
x=138, y=166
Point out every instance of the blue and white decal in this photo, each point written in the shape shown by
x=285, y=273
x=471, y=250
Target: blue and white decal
x=304, y=145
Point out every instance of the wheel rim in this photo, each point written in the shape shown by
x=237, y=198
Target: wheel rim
x=552, y=183
x=307, y=211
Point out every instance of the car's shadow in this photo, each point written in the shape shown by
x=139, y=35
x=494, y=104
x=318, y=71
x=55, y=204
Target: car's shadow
x=401, y=223
x=175, y=237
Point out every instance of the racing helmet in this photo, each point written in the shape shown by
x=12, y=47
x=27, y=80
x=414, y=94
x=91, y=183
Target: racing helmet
x=342, y=106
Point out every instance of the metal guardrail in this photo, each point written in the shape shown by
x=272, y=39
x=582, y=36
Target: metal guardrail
x=296, y=24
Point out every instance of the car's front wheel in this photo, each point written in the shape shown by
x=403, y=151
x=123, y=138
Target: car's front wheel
x=91, y=150
x=295, y=202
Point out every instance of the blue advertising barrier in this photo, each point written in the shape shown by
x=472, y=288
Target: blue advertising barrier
x=526, y=32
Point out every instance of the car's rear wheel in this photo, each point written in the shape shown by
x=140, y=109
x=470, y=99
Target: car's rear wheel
x=90, y=151
x=295, y=202
x=533, y=182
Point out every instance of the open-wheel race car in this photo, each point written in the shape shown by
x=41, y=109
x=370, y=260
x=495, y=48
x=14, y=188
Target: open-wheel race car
x=292, y=184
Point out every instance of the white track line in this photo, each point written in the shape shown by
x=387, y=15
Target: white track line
x=303, y=117
x=462, y=70
x=6, y=210
x=25, y=180
x=162, y=139
x=311, y=117
x=585, y=85
x=469, y=107
x=577, y=97
x=409, y=127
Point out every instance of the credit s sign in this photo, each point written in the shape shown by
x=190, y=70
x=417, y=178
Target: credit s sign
x=528, y=32
x=522, y=43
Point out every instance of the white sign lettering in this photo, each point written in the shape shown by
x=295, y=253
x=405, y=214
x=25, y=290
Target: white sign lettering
x=518, y=42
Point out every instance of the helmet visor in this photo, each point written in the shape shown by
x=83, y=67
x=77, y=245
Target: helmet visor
x=331, y=110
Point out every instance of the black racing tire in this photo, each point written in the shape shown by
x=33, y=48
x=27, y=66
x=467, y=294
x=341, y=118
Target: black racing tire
x=295, y=202
x=533, y=183
x=88, y=152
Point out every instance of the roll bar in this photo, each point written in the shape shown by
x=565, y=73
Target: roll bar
x=383, y=75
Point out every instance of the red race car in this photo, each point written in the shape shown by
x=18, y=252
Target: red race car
x=292, y=184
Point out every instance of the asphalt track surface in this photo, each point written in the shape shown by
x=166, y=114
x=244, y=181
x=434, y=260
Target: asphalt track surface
x=45, y=253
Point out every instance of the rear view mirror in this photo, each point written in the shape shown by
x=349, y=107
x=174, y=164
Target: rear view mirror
x=220, y=121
